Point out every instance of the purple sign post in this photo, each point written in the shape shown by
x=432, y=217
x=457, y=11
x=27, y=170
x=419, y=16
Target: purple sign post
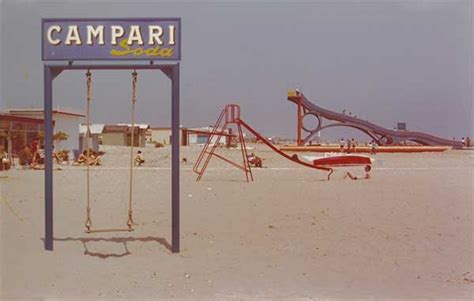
x=142, y=39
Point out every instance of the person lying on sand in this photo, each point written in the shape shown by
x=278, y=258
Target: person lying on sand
x=366, y=177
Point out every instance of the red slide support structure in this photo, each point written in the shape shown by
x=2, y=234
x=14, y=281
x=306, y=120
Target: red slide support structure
x=230, y=115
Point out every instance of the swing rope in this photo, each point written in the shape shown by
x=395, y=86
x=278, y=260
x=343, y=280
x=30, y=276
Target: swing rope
x=88, y=222
x=134, y=100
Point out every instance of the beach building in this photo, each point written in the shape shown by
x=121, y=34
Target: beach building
x=16, y=132
x=140, y=133
x=115, y=135
x=96, y=131
x=187, y=136
x=201, y=135
x=121, y=134
x=163, y=135
x=65, y=121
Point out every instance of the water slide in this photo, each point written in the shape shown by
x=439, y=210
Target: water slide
x=381, y=135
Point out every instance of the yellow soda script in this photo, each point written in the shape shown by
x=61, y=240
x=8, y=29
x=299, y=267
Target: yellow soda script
x=124, y=49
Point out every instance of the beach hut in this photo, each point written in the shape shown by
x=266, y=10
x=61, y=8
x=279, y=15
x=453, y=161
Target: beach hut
x=65, y=121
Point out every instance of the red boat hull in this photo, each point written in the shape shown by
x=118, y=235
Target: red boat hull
x=345, y=160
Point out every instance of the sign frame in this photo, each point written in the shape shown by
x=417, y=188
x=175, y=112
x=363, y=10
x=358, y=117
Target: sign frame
x=170, y=67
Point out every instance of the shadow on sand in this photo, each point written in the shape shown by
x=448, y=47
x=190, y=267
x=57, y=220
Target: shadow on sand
x=122, y=240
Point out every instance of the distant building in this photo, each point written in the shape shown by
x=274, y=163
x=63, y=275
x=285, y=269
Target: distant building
x=64, y=121
x=16, y=132
x=163, y=135
x=401, y=126
x=187, y=136
x=121, y=134
x=201, y=135
x=96, y=131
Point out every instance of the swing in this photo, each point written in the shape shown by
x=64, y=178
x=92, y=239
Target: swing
x=88, y=222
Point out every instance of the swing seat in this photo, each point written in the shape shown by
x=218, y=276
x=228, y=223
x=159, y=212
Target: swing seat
x=109, y=230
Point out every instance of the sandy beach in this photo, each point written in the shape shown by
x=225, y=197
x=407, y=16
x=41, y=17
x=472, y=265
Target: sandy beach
x=404, y=234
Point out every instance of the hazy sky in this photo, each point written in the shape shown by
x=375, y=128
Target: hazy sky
x=384, y=61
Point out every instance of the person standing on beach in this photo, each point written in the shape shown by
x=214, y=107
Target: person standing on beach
x=462, y=142
x=34, y=147
x=341, y=145
x=349, y=146
x=4, y=160
x=353, y=143
x=468, y=142
x=372, y=147
x=25, y=156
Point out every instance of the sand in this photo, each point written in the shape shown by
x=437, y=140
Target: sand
x=407, y=233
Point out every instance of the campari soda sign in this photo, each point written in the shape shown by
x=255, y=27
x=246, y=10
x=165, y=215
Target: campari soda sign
x=111, y=39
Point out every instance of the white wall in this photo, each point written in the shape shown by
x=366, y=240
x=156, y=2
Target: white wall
x=192, y=139
x=162, y=136
x=69, y=125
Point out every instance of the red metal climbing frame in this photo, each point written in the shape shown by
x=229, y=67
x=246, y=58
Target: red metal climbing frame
x=229, y=116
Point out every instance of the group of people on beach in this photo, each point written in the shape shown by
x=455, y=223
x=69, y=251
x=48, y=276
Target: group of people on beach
x=94, y=158
x=91, y=158
x=32, y=156
x=350, y=146
x=466, y=142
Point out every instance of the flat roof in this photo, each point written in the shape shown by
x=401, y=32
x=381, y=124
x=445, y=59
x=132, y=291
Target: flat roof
x=95, y=128
x=141, y=126
x=163, y=128
x=38, y=110
x=119, y=129
x=10, y=117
